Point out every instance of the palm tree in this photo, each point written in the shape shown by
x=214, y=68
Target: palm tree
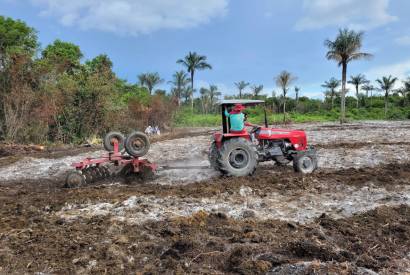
x=256, y=90
x=345, y=48
x=186, y=93
x=150, y=80
x=406, y=90
x=297, y=89
x=386, y=84
x=332, y=85
x=213, y=95
x=241, y=85
x=180, y=80
x=369, y=88
x=284, y=80
x=204, y=99
x=357, y=80
x=193, y=62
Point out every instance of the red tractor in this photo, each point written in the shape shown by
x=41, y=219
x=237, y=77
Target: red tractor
x=238, y=153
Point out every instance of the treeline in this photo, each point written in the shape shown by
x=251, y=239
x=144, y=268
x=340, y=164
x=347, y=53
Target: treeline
x=49, y=95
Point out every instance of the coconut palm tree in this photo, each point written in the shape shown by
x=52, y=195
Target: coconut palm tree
x=241, y=85
x=194, y=62
x=369, y=88
x=284, y=80
x=345, y=48
x=150, y=80
x=405, y=91
x=332, y=84
x=357, y=80
x=297, y=89
x=386, y=84
x=256, y=90
x=180, y=81
x=213, y=95
x=204, y=99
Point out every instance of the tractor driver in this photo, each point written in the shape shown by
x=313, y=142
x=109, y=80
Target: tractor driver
x=237, y=119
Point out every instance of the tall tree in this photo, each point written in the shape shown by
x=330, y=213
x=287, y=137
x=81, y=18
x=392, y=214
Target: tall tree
x=332, y=84
x=386, y=84
x=18, y=44
x=150, y=80
x=241, y=85
x=357, y=80
x=345, y=48
x=15, y=38
x=369, y=88
x=297, y=89
x=213, y=95
x=64, y=56
x=180, y=80
x=204, y=92
x=256, y=90
x=192, y=63
x=284, y=80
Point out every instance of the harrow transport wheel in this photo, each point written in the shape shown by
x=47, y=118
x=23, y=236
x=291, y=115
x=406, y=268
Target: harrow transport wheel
x=238, y=157
x=110, y=138
x=213, y=156
x=137, y=144
x=74, y=179
x=305, y=163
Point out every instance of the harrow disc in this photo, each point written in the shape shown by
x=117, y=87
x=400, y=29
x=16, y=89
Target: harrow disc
x=89, y=177
x=146, y=173
x=74, y=179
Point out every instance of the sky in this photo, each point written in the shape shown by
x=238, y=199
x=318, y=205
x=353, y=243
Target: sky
x=242, y=39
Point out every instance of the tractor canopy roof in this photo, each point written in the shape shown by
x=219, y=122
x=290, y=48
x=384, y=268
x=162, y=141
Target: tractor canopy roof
x=245, y=102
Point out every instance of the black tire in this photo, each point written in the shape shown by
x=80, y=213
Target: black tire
x=213, y=156
x=110, y=137
x=305, y=162
x=137, y=144
x=238, y=157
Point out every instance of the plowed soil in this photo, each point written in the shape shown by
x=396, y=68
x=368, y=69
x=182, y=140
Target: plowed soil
x=350, y=217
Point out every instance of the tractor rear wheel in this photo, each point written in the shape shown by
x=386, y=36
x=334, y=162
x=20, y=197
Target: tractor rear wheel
x=137, y=144
x=110, y=138
x=305, y=163
x=237, y=157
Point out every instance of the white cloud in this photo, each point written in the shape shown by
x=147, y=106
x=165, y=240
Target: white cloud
x=132, y=16
x=400, y=70
x=356, y=14
x=403, y=40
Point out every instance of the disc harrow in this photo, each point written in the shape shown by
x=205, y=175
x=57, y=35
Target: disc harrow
x=92, y=170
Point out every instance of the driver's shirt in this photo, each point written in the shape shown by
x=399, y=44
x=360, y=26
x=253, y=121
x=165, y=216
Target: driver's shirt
x=237, y=121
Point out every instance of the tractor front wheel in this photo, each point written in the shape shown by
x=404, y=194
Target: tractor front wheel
x=305, y=163
x=237, y=157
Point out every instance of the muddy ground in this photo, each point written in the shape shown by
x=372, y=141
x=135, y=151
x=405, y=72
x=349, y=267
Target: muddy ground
x=352, y=216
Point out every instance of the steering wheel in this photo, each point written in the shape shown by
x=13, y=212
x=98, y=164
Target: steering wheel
x=255, y=128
